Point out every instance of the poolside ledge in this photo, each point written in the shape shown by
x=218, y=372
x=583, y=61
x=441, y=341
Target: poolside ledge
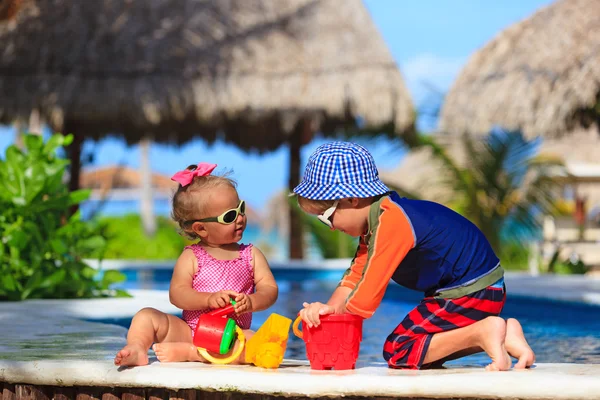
x=45, y=350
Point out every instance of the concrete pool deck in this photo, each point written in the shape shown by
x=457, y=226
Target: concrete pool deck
x=45, y=342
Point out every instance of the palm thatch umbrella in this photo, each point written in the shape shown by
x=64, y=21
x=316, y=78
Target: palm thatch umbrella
x=540, y=76
x=121, y=177
x=421, y=175
x=125, y=182
x=257, y=73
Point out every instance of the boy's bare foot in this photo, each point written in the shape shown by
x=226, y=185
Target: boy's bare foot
x=517, y=346
x=176, y=351
x=493, y=333
x=131, y=355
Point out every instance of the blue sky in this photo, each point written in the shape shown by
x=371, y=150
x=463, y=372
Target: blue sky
x=430, y=40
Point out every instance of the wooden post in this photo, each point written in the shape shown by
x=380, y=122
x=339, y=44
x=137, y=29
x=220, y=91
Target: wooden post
x=296, y=243
x=147, y=197
x=19, y=134
x=580, y=216
x=133, y=394
x=9, y=392
x=64, y=393
x=35, y=122
x=74, y=154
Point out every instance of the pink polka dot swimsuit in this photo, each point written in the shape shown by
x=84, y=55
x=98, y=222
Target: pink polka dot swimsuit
x=214, y=275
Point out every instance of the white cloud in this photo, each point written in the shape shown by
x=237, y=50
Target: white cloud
x=428, y=69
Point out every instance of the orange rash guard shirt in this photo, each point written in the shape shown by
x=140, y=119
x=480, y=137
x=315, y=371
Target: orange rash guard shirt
x=421, y=245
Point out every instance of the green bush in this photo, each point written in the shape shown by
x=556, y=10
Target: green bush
x=126, y=239
x=43, y=245
x=331, y=243
x=514, y=256
x=572, y=265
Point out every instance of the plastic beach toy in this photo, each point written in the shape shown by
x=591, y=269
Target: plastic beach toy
x=335, y=343
x=216, y=332
x=267, y=347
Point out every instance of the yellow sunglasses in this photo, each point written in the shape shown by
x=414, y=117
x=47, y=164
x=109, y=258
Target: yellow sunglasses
x=228, y=217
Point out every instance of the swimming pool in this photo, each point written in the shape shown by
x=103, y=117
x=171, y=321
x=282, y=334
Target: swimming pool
x=557, y=331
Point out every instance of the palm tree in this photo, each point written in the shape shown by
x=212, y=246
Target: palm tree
x=331, y=243
x=498, y=180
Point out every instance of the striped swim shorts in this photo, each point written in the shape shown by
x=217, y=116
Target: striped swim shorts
x=407, y=345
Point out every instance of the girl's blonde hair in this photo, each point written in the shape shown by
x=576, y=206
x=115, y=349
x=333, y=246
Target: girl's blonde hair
x=189, y=202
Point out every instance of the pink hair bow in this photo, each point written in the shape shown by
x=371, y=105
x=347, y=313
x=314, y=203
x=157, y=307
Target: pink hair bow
x=186, y=176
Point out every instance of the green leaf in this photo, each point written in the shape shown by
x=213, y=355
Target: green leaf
x=56, y=203
x=88, y=272
x=9, y=283
x=78, y=196
x=35, y=180
x=53, y=280
x=16, y=238
x=68, y=139
x=121, y=293
x=33, y=143
x=112, y=276
x=57, y=140
x=92, y=244
x=32, y=284
x=58, y=246
x=14, y=174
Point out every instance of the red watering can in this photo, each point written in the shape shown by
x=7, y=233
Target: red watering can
x=216, y=332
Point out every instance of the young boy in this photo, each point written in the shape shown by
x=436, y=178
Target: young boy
x=421, y=245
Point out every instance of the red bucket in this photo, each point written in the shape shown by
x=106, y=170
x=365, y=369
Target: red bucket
x=335, y=343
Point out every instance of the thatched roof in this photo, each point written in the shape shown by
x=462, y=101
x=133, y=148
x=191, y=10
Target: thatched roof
x=125, y=183
x=179, y=69
x=122, y=177
x=582, y=146
x=541, y=75
x=422, y=174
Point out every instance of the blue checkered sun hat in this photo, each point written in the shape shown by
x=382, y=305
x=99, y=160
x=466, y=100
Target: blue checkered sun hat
x=340, y=170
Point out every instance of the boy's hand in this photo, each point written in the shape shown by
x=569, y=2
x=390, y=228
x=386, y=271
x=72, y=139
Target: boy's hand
x=243, y=303
x=312, y=312
x=221, y=298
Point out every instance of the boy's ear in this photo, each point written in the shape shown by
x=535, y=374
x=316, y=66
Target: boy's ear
x=352, y=202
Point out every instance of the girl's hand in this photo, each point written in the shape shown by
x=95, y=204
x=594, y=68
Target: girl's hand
x=312, y=312
x=221, y=298
x=243, y=303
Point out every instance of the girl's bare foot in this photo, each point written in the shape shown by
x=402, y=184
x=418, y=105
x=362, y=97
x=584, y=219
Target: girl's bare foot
x=492, y=338
x=131, y=355
x=176, y=351
x=517, y=346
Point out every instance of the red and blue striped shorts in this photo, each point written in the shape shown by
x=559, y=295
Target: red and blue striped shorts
x=407, y=345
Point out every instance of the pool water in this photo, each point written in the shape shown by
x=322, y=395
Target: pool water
x=557, y=331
